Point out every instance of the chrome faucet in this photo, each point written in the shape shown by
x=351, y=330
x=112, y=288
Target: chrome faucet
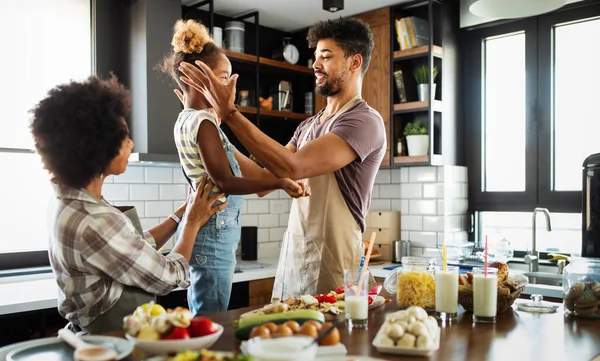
x=532, y=257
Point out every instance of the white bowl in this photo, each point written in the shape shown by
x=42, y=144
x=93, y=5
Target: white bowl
x=291, y=348
x=163, y=347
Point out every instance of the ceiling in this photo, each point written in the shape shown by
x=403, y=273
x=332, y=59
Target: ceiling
x=290, y=15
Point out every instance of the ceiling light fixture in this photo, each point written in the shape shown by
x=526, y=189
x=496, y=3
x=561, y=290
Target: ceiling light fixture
x=333, y=5
x=513, y=9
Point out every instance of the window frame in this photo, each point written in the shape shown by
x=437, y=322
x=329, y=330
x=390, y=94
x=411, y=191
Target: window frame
x=31, y=259
x=539, y=62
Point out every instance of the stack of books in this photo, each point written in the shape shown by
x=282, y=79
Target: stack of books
x=412, y=32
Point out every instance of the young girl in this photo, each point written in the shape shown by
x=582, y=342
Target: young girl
x=204, y=149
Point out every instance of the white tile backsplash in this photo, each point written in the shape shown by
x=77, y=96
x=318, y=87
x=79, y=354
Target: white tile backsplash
x=422, y=174
x=384, y=176
x=381, y=204
x=159, y=208
x=178, y=177
x=276, y=234
x=411, y=222
x=172, y=191
x=268, y=220
x=133, y=174
x=279, y=206
x=249, y=220
x=425, y=207
x=411, y=190
x=158, y=175
x=389, y=191
x=258, y=206
x=143, y=192
x=115, y=192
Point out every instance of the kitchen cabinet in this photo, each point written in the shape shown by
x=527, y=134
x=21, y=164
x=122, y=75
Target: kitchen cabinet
x=260, y=291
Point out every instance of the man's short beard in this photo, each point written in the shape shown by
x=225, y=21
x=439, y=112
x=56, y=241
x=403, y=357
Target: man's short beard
x=332, y=87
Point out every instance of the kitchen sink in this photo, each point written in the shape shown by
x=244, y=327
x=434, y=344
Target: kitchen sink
x=544, y=278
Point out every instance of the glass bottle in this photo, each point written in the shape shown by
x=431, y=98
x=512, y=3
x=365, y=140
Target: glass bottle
x=581, y=287
x=413, y=283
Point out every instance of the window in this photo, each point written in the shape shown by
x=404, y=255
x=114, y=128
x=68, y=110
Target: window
x=46, y=43
x=531, y=118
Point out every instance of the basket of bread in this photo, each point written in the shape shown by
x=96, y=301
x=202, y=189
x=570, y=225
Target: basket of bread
x=509, y=288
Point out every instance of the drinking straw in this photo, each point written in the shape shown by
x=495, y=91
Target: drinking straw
x=444, y=257
x=367, y=258
x=485, y=256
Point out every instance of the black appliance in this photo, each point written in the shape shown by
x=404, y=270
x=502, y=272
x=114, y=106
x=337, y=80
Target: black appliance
x=249, y=243
x=590, y=243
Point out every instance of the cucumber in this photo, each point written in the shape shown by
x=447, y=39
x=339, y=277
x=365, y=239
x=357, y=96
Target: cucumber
x=244, y=326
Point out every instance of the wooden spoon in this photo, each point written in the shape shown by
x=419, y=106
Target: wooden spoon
x=85, y=351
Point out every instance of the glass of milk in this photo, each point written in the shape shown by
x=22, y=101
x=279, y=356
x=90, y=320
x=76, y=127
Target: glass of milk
x=356, y=299
x=485, y=294
x=446, y=292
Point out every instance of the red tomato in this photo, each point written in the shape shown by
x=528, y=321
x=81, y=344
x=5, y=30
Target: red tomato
x=202, y=326
x=177, y=333
x=370, y=300
x=325, y=298
x=340, y=290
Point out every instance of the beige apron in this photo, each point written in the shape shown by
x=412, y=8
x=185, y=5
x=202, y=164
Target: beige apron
x=322, y=238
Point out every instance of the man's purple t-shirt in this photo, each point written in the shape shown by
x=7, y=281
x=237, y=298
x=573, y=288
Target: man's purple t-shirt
x=362, y=128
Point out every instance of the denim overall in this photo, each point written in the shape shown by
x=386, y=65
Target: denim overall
x=213, y=257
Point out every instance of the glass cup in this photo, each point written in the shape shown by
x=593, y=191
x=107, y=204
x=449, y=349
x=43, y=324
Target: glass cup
x=446, y=292
x=356, y=299
x=485, y=294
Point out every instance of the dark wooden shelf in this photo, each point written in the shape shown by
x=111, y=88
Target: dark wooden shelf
x=417, y=107
x=274, y=113
x=436, y=159
x=269, y=62
x=418, y=52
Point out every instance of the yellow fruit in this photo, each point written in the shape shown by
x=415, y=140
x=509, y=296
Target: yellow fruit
x=157, y=309
x=150, y=309
x=148, y=333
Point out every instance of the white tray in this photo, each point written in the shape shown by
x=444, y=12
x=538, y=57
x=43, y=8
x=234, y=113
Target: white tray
x=338, y=350
x=412, y=351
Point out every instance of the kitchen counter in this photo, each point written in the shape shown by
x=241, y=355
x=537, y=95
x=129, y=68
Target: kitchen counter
x=40, y=291
x=516, y=335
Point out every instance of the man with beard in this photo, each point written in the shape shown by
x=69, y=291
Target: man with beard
x=338, y=152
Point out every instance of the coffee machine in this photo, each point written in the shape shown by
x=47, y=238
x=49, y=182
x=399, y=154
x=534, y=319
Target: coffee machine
x=590, y=242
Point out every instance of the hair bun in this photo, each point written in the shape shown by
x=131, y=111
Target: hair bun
x=190, y=36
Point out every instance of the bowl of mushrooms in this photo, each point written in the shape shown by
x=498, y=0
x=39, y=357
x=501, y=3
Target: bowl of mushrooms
x=408, y=332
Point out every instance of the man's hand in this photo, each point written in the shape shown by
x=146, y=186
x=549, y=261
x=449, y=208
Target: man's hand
x=220, y=96
x=200, y=208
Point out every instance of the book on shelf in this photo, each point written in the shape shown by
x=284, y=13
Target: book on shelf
x=400, y=86
x=412, y=32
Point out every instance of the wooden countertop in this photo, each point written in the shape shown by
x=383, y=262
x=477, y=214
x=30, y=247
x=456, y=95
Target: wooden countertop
x=517, y=335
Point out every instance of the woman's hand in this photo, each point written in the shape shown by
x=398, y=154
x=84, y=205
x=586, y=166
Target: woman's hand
x=219, y=95
x=294, y=189
x=200, y=208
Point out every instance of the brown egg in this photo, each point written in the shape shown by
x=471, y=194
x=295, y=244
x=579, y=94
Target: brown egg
x=332, y=338
x=313, y=322
x=260, y=331
x=283, y=331
x=271, y=326
x=293, y=325
x=308, y=329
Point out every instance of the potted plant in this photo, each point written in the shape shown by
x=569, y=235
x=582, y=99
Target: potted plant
x=421, y=75
x=417, y=138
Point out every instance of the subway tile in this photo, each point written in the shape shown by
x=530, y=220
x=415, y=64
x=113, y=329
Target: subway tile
x=140, y=207
x=416, y=251
x=412, y=223
x=452, y=190
x=268, y=220
x=244, y=207
x=460, y=206
x=251, y=196
x=258, y=206
x=433, y=223
x=389, y=191
x=159, y=208
x=404, y=235
x=283, y=219
x=115, y=192
x=276, y=234
x=423, y=239
x=380, y=205
x=461, y=237
x=396, y=176
x=143, y=192
x=405, y=206
x=158, y=175
x=404, y=175
x=397, y=205
x=433, y=253
x=460, y=174
x=375, y=191
x=109, y=179
x=447, y=237
x=172, y=191
x=272, y=195
x=133, y=174
x=428, y=207
x=279, y=206
x=433, y=190
x=262, y=235
x=411, y=190
x=249, y=220
x=178, y=177
x=422, y=174
x=383, y=176
x=464, y=191
x=148, y=223
x=454, y=223
x=269, y=250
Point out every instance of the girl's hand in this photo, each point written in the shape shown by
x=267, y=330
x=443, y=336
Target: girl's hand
x=295, y=190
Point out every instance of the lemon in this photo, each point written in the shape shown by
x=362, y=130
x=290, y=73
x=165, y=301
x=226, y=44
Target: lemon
x=150, y=309
x=148, y=333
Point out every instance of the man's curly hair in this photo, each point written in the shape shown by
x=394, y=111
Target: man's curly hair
x=353, y=36
x=79, y=129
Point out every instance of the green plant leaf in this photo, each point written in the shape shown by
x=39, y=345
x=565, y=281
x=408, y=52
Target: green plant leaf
x=415, y=128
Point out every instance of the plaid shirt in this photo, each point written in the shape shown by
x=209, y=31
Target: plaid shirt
x=95, y=250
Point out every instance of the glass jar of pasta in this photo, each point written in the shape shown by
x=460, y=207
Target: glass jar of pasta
x=413, y=283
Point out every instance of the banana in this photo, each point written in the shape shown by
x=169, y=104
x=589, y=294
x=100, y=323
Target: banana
x=557, y=256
